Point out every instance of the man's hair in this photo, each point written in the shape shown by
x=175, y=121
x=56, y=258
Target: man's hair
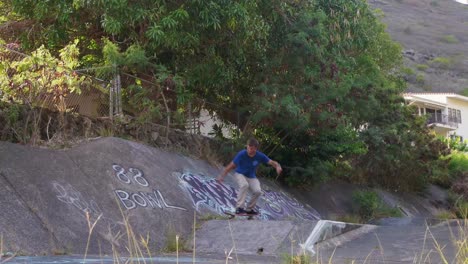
x=253, y=142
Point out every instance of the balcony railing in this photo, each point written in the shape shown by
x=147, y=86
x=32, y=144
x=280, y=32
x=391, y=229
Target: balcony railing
x=438, y=118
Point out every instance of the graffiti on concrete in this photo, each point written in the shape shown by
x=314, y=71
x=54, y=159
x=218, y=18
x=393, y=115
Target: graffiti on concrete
x=207, y=192
x=218, y=197
x=278, y=205
x=131, y=200
x=67, y=194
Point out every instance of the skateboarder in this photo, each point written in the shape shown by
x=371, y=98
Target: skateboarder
x=246, y=162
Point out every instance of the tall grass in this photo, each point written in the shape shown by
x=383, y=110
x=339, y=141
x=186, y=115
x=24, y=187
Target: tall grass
x=91, y=227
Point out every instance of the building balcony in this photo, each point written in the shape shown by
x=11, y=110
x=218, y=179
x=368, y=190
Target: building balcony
x=443, y=121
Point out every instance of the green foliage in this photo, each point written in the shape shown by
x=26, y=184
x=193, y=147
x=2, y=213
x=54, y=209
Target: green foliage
x=446, y=215
x=450, y=39
x=407, y=71
x=458, y=162
x=422, y=67
x=174, y=242
x=367, y=203
x=455, y=143
x=370, y=206
x=461, y=209
x=41, y=78
x=465, y=92
x=399, y=143
x=12, y=113
x=296, y=259
x=318, y=82
x=420, y=78
x=442, y=62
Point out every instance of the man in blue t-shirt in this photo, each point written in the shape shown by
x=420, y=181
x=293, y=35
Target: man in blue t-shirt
x=246, y=162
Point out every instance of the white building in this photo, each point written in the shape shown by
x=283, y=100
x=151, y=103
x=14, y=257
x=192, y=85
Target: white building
x=205, y=122
x=447, y=112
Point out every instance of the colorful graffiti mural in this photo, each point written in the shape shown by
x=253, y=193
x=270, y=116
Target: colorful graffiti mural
x=206, y=192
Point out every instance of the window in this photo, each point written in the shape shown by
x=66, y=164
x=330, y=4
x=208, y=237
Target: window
x=454, y=115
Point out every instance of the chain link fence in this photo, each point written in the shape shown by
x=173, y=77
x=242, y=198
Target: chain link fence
x=92, y=99
x=109, y=92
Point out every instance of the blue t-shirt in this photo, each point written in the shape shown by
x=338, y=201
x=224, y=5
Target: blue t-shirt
x=246, y=165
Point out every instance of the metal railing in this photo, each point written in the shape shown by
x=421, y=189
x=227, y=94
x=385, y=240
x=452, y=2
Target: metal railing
x=438, y=118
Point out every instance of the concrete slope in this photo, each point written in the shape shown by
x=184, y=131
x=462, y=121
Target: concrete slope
x=439, y=243
x=335, y=242
x=21, y=228
x=272, y=238
x=52, y=198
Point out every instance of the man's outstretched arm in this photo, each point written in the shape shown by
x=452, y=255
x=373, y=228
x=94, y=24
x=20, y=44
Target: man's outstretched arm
x=226, y=170
x=275, y=165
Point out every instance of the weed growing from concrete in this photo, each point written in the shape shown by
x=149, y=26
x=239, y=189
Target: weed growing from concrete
x=173, y=241
x=91, y=227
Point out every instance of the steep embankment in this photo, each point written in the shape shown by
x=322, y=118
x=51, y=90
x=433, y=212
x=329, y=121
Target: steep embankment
x=47, y=196
x=434, y=35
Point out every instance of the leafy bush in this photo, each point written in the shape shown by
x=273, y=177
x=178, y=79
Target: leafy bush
x=422, y=67
x=455, y=143
x=367, y=203
x=458, y=163
x=407, y=71
x=442, y=62
x=370, y=206
x=399, y=148
x=457, y=168
x=420, y=78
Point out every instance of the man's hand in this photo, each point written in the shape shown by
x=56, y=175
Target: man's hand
x=279, y=169
x=220, y=179
x=276, y=165
x=228, y=168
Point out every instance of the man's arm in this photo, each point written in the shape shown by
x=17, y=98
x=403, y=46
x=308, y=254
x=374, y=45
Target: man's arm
x=275, y=165
x=226, y=170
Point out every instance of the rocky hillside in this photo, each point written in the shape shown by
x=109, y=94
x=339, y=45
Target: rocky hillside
x=434, y=36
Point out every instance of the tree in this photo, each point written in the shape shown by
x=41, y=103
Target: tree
x=306, y=76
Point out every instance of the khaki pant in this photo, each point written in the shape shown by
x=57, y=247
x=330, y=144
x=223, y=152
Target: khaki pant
x=244, y=184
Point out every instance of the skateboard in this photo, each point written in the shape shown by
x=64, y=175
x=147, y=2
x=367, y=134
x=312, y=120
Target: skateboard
x=233, y=215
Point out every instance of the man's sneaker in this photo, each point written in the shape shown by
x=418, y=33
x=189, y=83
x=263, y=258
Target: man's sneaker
x=251, y=212
x=240, y=211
